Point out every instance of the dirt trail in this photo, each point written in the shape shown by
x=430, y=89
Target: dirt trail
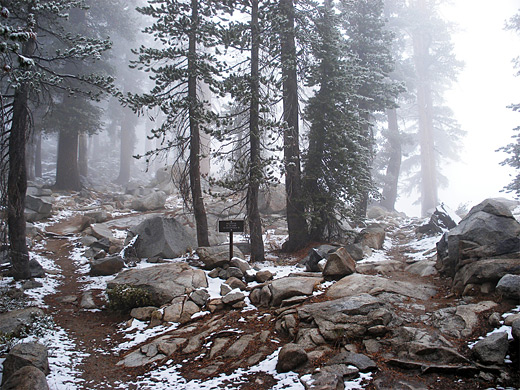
x=94, y=332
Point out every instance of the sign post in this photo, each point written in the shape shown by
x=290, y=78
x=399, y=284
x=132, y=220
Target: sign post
x=231, y=226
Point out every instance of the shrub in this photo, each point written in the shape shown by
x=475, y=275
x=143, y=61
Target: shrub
x=125, y=297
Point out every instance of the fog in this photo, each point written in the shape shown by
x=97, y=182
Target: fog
x=485, y=87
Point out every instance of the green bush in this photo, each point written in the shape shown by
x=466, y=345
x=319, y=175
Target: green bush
x=124, y=298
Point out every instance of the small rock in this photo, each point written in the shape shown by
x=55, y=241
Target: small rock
x=143, y=313
x=106, y=266
x=492, y=349
x=291, y=356
x=234, y=283
x=225, y=289
x=200, y=296
x=233, y=297
x=509, y=287
x=87, y=301
x=494, y=320
x=263, y=276
x=241, y=264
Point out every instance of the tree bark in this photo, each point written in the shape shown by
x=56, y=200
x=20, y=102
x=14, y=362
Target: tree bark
x=394, y=162
x=38, y=155
x=83, y=154
x=194, y=168
x=255, y=169
x=296, y=222
x=421, y=42
x=67, y=171
x=17, y=177
x=127, y=147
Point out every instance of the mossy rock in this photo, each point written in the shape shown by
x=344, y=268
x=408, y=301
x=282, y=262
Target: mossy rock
x=125, y=297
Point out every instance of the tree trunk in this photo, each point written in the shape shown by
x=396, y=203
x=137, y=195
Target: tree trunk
x=194, y=168
x=421, y=43
x=38, y=155
x=127, y=147
x=67, y=172
x=30, y=152
x=394, y=162
x=255, y=169
x=83, y=154
x=296, y=222
x=17, y=177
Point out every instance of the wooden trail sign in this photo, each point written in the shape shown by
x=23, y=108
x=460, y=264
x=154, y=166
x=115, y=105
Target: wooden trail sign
x=230, y=226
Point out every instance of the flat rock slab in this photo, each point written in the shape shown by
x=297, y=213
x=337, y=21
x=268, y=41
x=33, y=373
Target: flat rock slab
x=13, y=321
x=164, y=281
x=289, y=287
x=345, y=317
x=356, y=284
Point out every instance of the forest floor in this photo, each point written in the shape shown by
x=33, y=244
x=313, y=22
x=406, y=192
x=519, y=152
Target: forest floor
x=86, y=345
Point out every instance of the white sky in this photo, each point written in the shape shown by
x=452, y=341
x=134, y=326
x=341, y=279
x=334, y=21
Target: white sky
x=479, y=100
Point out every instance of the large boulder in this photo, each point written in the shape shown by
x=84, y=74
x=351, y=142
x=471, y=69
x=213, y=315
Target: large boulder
x=489, y=230
x=14, y=321
x=339, y=264
x=345, y=318
x=509, y=287
x=216, y=256
x=374, y=285
x=26, y=354
x=315, y=255
x=440, y=221
x=291, y=356
x=26, y=378
x=153, y=201
x=162, y=282
x=492, y=349
x=372, y=236
x=162, y=237
x=289, y=287
x=106, y=266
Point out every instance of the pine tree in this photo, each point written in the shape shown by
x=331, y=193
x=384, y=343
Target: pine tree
x=369, y=44
x=432, y=132
x=186, y=34
x=336, y=165
x=30, y=69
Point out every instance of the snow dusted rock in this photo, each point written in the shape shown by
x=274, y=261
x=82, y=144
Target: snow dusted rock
x=180, y=310
x=40, y=205
x=345, y=317
x=509, y=287
x=87, y=301
x=460, y=321
x=515, y=330
x=163, y=282
x=263, y=276
x=25, y=354
x=339, y=264
x=162, y=237
x=106, y=266
x=372, y=236
x=316, y=255
x=288, y=287
x=233, y=297
x=143, y=313
x=291, y=356
x=12, y=322
x=357, y=283
x=26, y=378
x=200, y=297
x=441, y=220
x=492, y=349
x=240, y=264
x=153, y=201
x=362, y=362
x=216, y=256
x=488, y=231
